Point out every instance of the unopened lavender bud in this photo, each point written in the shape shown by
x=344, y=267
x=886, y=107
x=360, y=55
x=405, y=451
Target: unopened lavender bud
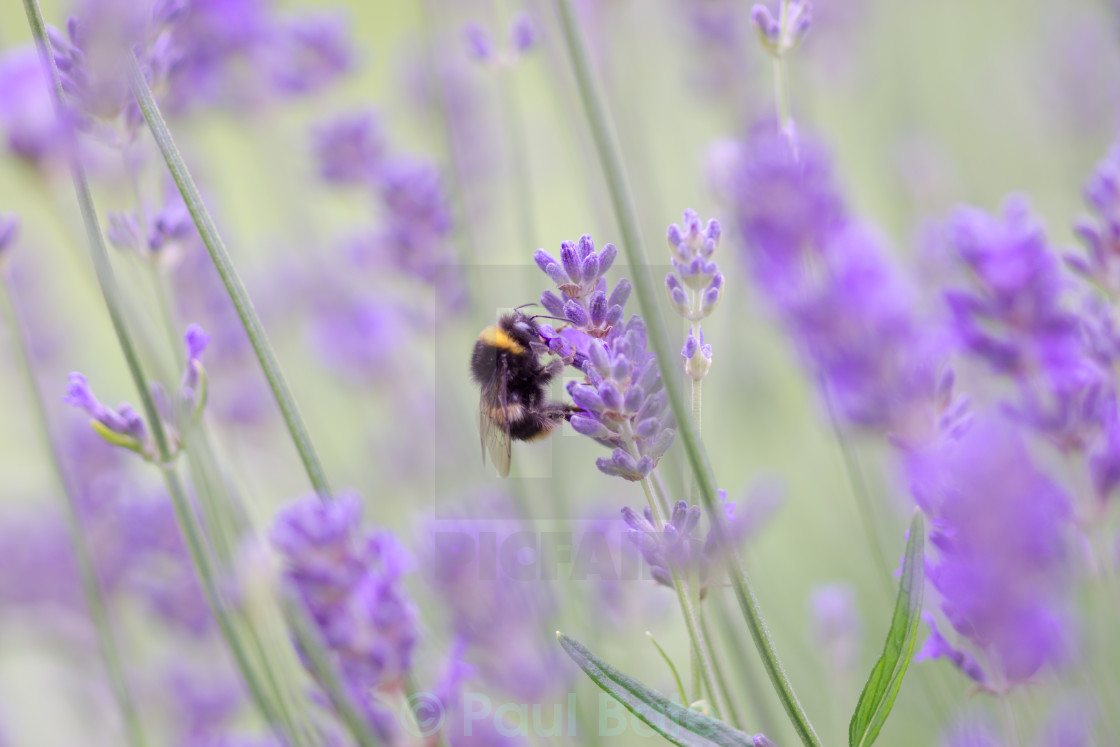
x=543, y=260
x=768, y=28
x=589, y=426
x=597, y=354
x=761, y=740
x=677, y=296
x=621, y=293
x=586, y=246
x=798, y=23
x=610, y=395
x=134, y=424
x=614, y=315
x=633, y=400
x=551, y=302
x=620, y=367
x=479, y=44
x=691, y=346
x=585, y=397
x=620, y=464
x=711, y=297
x=576, y=314
x=522, y=33
x=713, y=232
x=571, y=260
x=590, y=269
x=607, y=258
x=648, y=428
x=598, y=309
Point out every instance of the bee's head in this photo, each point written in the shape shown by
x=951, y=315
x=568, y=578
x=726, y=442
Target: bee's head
x=520, y=327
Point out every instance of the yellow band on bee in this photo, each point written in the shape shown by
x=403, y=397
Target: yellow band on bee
x=497, y=337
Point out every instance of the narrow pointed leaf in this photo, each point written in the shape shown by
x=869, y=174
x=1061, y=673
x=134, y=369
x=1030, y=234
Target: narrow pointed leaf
x=679, y=725
x=882, y=686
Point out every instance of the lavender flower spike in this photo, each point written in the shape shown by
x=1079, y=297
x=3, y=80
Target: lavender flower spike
x=696, y=284
x=625, y=407
x=121, y=427
x=579, y=276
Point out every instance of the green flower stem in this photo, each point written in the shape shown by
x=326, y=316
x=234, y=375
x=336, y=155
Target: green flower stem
x=107, y=281
x=643, y=287
x=781, y=97
x=234, y=287
x=733, y=714
x=91, y=588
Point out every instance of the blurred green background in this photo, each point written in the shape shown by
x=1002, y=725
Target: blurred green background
x=925, y=105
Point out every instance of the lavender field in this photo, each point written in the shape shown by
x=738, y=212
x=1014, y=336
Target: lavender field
x=559, y=372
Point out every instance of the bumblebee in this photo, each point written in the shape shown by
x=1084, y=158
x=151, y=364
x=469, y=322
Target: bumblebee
x=514, y=402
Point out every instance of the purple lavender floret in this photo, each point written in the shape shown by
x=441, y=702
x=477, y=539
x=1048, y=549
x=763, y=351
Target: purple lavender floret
x=349, y=148
x=123, y=426
x=625, y=407
x=479, y=44
x=937, y=647
x=351, y=582
x=1013, y=318
x=579, y=276
x=1101, y=234
x=523, y=33
x=999, y=535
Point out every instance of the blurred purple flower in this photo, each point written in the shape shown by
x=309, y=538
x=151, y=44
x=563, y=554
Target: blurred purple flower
x=1014, y=319
x=830, y=281
x=351, y=582
x=349, y=148
x=835, y=625
x=306, y=54
x=359, y=338
x=27, y=116
x=497, y=604
x=999, y=531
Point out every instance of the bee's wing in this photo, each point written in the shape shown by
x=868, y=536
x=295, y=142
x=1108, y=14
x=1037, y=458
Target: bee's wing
x=493, y=423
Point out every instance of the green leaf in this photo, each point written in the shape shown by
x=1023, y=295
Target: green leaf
x=886, y=677
x=679, y=725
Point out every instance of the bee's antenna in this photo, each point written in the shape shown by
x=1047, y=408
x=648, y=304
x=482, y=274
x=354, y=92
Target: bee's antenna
x=546, y=316
x=519, y=308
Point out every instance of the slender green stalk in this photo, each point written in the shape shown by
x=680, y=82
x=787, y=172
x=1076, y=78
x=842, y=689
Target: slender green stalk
x=781, y=98
x=91, y=588
x=228, y=273
x=721, y=679
x=187, y=520
x=643, y=287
